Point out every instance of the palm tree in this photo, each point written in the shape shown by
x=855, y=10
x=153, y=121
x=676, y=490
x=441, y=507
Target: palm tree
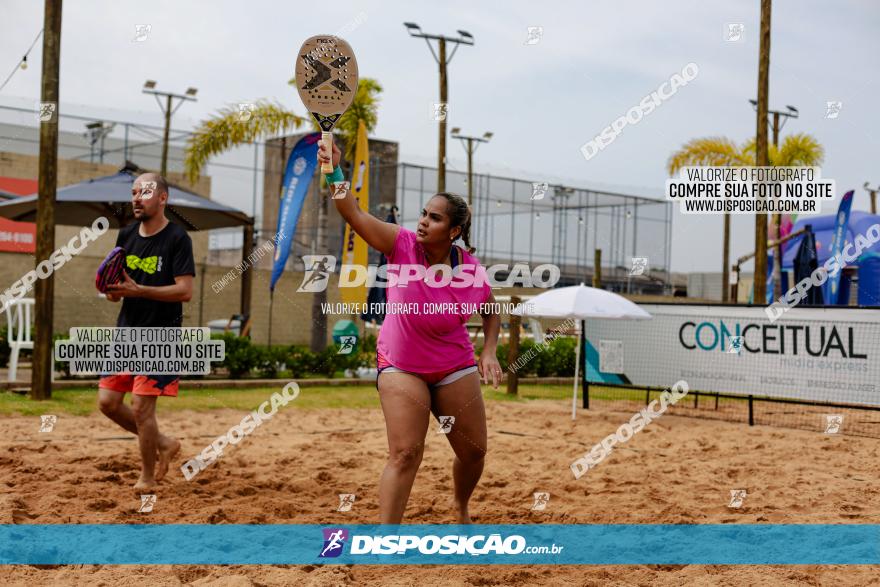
x=796, y=150
x=230, y=128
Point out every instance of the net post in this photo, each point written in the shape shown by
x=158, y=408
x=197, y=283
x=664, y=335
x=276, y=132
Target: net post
x=734, y=288
x=647, y=396
x=696, y=399
x=751, y=410
x=513, y=348
x=585, y=382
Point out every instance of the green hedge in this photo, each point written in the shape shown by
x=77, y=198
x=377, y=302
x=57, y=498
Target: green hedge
x=297, y=361
x=553, y=359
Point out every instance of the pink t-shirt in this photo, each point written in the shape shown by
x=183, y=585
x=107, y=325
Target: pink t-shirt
x=428, y=341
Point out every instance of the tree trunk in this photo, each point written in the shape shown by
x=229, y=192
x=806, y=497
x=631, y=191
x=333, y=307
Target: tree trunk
x=513, y=348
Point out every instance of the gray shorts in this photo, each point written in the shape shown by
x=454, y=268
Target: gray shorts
x=449, y=378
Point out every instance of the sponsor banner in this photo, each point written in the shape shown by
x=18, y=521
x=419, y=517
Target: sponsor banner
x=574, y=544
x=832, y=286
x=298, y=176
x=819, y=354
x=354, y=247
x=17, y=237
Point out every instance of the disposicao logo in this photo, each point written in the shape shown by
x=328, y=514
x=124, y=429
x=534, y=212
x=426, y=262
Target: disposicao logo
x=334, y=540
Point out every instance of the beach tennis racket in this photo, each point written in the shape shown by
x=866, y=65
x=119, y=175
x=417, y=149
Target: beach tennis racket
x=326, y=79
x=110, y=270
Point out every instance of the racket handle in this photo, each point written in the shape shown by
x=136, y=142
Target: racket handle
x=327, y=137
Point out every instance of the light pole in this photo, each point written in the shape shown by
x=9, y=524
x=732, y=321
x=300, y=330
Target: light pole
x=167, y=110
x=464, y=38
x=470, y=145
x=95, y=132
x=791, y=112
x=873, y=193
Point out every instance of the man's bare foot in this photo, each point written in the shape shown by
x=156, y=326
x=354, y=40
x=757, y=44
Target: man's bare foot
x=463, y=516
x=167, y=451
x=144, y=485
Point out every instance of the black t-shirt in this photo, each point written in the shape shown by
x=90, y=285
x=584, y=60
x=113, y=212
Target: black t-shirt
x=154, y=260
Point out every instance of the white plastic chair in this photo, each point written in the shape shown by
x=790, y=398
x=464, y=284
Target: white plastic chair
x=18, y=316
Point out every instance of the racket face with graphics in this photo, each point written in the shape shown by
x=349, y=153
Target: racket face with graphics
x=110, y=270
x=326, y=79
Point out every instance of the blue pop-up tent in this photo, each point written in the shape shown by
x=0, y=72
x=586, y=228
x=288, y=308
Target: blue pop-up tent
x=868, y=263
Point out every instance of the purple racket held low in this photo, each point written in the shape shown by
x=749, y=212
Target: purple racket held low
x=110, y=270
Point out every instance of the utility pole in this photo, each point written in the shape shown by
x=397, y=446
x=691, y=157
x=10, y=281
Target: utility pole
x=470, y=146
x=44, y=289
x=873, y=194
x=441, y=113
x=779, y=120
x=762, y=159
x=441, y=117
x=168, y=109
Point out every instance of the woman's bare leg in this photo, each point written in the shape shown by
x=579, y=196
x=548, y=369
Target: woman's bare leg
x=464, y=400
x=406, y=405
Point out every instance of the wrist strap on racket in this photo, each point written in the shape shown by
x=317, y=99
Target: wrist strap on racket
x=334, y=177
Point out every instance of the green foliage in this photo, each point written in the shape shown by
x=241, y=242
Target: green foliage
x=4, y=346
x=272, y=360
x=555, y=358
x=60, y=366
x=301, y=361
x=329, y=362
x=367, y=344
x=798, y=149
x=295, y=361
x=228, y=129
x=241, y=356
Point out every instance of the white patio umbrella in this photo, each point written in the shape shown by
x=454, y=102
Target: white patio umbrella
x=580, y=302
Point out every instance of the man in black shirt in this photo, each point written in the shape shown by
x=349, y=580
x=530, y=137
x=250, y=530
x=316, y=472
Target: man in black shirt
x=158, y=278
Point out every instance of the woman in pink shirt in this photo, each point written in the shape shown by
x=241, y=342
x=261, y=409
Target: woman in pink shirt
x=424, y=354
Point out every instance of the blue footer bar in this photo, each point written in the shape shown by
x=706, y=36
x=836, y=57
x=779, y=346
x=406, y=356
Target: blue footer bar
x=514, y=544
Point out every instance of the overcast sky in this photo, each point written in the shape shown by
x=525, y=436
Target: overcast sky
x=542, y=101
